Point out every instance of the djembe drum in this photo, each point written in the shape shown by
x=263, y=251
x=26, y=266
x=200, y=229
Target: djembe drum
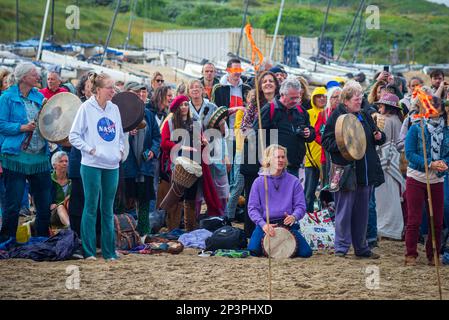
x=184, y=175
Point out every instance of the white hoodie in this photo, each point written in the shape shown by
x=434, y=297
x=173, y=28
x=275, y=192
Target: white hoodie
x=95, y=128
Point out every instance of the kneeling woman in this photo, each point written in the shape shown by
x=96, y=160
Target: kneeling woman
x=285, y=199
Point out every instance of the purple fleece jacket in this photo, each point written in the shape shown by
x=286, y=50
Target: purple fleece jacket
x=285, y=194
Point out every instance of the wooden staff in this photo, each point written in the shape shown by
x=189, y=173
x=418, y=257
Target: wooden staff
x=432, y=224
x=265, y=180
x=255, y=50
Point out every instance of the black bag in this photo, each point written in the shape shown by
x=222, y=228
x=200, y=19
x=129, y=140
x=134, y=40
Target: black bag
x=342, y=178
x=214, y=223
x=227, y=237
x=349, y=179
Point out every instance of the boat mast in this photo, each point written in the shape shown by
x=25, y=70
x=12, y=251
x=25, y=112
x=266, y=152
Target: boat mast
x=131, y=18
x=52, y=21
x=44, y=23
x=320, y=39
x=360, y=34
x=17, y=20
x=108, y=39
x=243, y=26
x=276, y=30
x=348, y=34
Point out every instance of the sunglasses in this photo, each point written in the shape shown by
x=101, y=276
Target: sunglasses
x=160, y=80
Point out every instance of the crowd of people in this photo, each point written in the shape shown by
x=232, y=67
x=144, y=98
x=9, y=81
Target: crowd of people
x=106, y=171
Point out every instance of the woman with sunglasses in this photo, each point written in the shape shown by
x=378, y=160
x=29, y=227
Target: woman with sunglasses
x=157, y=81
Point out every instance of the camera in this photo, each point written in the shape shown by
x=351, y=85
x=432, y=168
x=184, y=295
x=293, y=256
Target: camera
x=299, y=130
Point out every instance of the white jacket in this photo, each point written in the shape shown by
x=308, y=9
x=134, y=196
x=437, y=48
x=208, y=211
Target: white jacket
x=95, y=128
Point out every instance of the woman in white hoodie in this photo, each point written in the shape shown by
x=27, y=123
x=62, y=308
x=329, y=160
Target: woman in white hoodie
x=97, y=131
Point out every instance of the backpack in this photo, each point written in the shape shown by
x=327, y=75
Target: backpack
x=126, y=236
x=227, y=237
x=214, y=223
x=272, y=107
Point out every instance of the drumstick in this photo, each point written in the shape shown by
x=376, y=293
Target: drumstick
x=27, y=141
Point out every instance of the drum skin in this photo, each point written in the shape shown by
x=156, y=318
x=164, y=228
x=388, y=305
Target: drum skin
x=57, y=115
x=350, y=137
x=283, y=245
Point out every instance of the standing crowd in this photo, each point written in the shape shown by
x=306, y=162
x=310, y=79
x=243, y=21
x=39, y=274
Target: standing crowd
x=104, y=170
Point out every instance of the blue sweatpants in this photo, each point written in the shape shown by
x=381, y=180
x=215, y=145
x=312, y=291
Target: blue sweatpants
x=99, y=185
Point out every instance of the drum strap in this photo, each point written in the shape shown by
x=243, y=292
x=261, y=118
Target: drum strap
x=309, y=152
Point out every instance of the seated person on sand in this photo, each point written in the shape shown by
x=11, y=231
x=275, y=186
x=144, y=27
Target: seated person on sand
x=60, y=193
x=286, y=202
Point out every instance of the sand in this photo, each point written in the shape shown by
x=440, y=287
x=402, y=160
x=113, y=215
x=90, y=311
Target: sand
x=188, y=276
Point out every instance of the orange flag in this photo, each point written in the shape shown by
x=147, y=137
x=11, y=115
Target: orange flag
x=425, y=99
x=255, y=49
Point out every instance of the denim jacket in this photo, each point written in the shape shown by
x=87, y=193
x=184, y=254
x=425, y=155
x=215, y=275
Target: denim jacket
x=414, y=148
x=152, y=142
x=12, y=116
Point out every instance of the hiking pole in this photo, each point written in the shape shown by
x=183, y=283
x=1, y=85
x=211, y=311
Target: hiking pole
x=432, y=224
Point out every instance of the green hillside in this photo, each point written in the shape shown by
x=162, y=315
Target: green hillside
x=416, y=26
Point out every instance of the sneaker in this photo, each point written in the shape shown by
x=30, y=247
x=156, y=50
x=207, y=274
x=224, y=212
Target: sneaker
x=91, y=258
x=369, y=255
x=410, y=261
x=111, y=259
x=78, y=254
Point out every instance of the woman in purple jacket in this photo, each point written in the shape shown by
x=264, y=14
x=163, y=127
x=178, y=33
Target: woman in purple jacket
x=285, y=199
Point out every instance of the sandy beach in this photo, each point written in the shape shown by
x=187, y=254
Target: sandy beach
x=188, y=276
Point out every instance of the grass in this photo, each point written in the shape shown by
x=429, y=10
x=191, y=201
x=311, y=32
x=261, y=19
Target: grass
x=415, y=25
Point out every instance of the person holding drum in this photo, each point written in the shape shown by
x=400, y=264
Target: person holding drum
x=286, y=202
x=209, y=115
x=181, y=120
x=97, y=131
x=352, y=199
x=61, y=190
x=139, y=166
x=24, y=153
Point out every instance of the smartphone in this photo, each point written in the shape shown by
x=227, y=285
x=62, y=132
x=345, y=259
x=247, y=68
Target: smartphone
x=387, y=68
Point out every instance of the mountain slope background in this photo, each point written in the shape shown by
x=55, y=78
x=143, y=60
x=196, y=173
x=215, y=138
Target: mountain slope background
x=419, y=29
